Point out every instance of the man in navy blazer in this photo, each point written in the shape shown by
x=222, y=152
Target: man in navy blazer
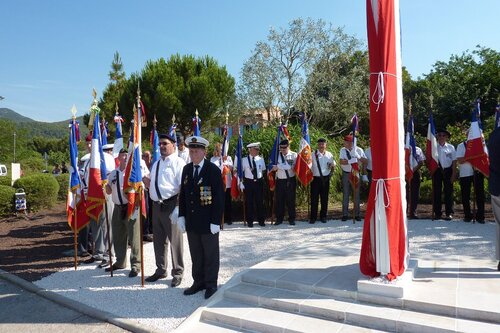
x=201, y=206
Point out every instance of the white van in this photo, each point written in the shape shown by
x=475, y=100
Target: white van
x=3, y=170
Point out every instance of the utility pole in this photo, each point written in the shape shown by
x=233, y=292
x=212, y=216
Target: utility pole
x=14, y=147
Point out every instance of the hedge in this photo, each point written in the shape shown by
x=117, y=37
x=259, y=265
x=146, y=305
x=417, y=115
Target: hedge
x=63, y=180
x=6, y=200
x=41, y=190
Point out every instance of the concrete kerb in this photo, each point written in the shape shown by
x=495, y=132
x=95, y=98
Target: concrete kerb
x=124, y=323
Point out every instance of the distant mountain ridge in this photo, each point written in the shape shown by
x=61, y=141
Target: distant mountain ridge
x=55, y=130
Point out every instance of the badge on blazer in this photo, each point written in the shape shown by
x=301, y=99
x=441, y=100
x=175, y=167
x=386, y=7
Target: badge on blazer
x=185, y=180
x=205, y=195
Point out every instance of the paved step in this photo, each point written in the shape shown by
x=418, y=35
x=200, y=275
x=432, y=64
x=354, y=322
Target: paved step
x=343, y=311
x=248, y=318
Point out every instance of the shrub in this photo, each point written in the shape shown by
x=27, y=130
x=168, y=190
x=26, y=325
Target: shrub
x=63, y=180
x=41, y=190
x=6, y=180
x=6, y=200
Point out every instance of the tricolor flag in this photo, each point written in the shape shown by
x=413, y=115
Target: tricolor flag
x=354, y=176
x=118, y=145
x=431, y=154
x=104, y=131
x=97, y=173
x=237, y=180
x=303, y=166
x=76, y=199
x=410, y=150
x=196, y=125
x=132, y=179
x=475, y=152
x=223, y=156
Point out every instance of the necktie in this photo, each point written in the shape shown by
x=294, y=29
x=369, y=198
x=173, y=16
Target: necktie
x=254, y=168
x=118, y=189
x=283, y=161
x=196, y=173
x=158, y=193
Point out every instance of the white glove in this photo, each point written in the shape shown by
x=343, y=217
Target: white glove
x=175, y=215
x=214, y=228
x=352, y=160
x=242, y=187
x=364, y=178
x=181, y=223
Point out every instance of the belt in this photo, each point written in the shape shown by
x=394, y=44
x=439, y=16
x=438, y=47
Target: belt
x=121, y=206
x=174, y=197
x=252, y=180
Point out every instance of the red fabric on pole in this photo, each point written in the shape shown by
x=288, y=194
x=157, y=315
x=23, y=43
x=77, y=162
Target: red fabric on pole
x=383, y=249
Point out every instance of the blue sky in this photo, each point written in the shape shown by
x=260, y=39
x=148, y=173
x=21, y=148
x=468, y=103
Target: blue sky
x=54, y=52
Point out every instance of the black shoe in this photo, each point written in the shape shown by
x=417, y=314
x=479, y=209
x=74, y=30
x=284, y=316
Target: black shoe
x=115, y=267
x=291, y=223
x=147, y=238
x=448, y=217
x=278, y=222
x=209, y=292
x=194, y=289
x=413, y=217
x=467, y=219
x=498, y=268
x=156, y=277
x=262, y=224
x=176, y=281
x=480, y=221
x=250, y=225
x=323, y=220
x=89, y=260
x=312, y=221
x=357, y=218
x=104, y=263
x=344, y=218
x=133, y=273
x=228, y=222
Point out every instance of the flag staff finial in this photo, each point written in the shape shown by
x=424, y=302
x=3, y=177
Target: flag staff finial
x=227, y=117
x=196, y=113
x=154, y=120
x=73, y=111
x=173, y=118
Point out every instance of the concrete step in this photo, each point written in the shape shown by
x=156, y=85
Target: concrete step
x=411, y=302
x=342, y=311
x=248, y=318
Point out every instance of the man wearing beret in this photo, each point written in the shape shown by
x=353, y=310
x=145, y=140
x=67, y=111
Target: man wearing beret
x=322, y=166
x=201, y=205
x=164, y=186
x=444, y=176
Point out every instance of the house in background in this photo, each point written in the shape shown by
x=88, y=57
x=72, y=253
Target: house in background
x=253, y=119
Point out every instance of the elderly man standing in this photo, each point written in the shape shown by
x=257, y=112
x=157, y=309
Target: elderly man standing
x=444, y=176
x=494, y=183
x=286, y=183
x=322, y=166
x=201, y=204
x=164, y=186
x=253, y=169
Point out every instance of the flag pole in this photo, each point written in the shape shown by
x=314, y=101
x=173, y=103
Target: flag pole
x=431, y=100
x=108, y=233
x=409, y=181
x=75, y=238
x=139, y=215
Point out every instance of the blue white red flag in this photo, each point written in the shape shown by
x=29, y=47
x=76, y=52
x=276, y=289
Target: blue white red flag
x=104, y=132
x=476, y=152
x=97, y=174
x=75, y=204
x=431, y=153
x=223, y=156
x=118, y=145
x=196, y=126
x=237, y=180
x=303, y=166
x=410, y=150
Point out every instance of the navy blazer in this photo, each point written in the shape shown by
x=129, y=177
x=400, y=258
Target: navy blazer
x=201, y=204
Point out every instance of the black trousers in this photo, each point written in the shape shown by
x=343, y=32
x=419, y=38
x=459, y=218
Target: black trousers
x=285, y=194
x=147, y=225
x=415, y=192
x=227, y=206
x=477, y=180
x=442, y=181
x=320, y=187
x=205, y=255
x=253, y=200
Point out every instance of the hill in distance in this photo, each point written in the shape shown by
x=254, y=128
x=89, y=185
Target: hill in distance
x=55, y=130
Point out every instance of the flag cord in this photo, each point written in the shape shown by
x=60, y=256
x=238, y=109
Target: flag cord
x=379, y=89
x=381, y=190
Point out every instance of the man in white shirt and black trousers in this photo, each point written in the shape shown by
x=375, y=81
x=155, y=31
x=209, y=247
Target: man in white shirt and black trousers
x=201, y=205
x=253, y=167
x=444, y=176
x=322, y=166
x=164, y=186
x=286, y=183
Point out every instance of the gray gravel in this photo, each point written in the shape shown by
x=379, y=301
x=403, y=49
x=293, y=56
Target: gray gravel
x=157, y=306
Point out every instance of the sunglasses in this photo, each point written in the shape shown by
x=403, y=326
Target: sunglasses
x=163, y=143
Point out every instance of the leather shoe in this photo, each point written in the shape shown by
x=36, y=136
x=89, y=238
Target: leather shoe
x=89, y=260
x=147, y=238
x=262, y=224
x=312, y=221
x=176, y=281
x=115, y=268
x=344, y=218
x=194, y=289
x=156, y=277
x=498, y=268
x=357, y=218
x=209, y=292
x=448, y=217
x=323, y=220
x=291, y=223
x=250, y=225
x=480, y=221
x=104, y=263
x=413, y=217
x=278, y=222
x=133, y=273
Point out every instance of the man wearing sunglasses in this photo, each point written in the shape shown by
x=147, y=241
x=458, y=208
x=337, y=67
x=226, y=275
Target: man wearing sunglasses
x=444, y=177
x=164, y=186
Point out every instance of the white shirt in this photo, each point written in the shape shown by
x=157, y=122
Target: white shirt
x=184, y=155
x=217, y=160
x=169, y=177
x=368, y=154
x=465, y=169
x=446, y=155
x=109, y=161
x=420, y=157
x=344, y=156
x=247, y=167
x=113, y=178
x=286, y=165
x=326, y=161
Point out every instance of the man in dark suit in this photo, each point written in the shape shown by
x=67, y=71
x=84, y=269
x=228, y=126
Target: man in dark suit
x=201, y=205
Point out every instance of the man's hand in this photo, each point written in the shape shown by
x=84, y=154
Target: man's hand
x=181, y=223
x=214, y=228
x=174, y=217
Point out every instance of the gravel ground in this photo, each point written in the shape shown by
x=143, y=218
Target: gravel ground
x=158, y=306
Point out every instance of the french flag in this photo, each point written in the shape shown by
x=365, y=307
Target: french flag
x=196, y=125
x=237, y=180
x=475, y=152
x=410, y=150
x=431, y=153
x=97, y=174
x=303, y=166
x=118, y=145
